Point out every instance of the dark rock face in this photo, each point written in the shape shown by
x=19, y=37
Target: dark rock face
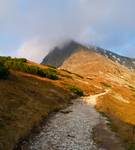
x=58, y=55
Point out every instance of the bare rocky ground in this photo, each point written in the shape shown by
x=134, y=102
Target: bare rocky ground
x=72, y=129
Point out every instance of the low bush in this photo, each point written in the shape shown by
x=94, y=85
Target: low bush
x=3, y=72
x=35, y=70
x=5, y=59
x=75, y=90
x=22, y=60
x=19, y=64
x=48, y=73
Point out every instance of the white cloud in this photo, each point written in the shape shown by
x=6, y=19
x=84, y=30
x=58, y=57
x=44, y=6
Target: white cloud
x=44, y=24
x=33, y=50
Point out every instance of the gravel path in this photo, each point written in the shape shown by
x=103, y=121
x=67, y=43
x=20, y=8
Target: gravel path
x=70, y=129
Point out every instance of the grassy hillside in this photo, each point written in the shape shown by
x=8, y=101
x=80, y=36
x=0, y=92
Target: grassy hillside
x=119, y=106
x=29, y=92
x=26, y=98
x=100, y=72
x=25, y=101
x=60, y=54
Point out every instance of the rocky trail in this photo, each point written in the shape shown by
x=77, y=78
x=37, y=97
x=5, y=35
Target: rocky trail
x=72, y=129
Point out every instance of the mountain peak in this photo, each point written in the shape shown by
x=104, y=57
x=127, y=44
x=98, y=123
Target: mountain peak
x=61, y=53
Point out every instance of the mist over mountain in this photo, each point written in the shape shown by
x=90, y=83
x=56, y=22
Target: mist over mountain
x=59, y=54
x=67, y=74
x=31, y=28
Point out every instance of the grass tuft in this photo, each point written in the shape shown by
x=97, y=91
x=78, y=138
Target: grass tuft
x=75, y=90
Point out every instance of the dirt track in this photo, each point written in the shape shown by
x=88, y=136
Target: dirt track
x=72, y=129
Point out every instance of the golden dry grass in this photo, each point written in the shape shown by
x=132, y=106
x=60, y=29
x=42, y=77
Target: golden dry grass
x=102, y=73
x=119, y=106
x=25, y=101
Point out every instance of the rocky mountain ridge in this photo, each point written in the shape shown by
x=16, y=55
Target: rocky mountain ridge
x=58, y=55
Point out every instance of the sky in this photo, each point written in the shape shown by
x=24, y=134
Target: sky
x=31, y=28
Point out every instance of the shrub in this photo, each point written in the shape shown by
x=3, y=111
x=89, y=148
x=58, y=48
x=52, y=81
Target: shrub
x=48, y=73
x=23, y=60
x=51, y=75
x=3, y=72
x=19, y=64
x=3, y=60
x=75, y=90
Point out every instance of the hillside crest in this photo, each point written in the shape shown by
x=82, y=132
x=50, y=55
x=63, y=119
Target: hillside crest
x=60, y=54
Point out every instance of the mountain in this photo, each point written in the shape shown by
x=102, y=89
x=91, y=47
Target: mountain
x=104, y=70
x=58, y=55
x=29, y=92
x=126, y=61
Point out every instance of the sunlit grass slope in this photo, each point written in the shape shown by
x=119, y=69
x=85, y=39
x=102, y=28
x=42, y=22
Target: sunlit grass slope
x=27, y=96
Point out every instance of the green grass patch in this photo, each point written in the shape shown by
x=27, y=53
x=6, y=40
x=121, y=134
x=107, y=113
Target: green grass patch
x=5, y=59
x=19, y=64
x=75, y=90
